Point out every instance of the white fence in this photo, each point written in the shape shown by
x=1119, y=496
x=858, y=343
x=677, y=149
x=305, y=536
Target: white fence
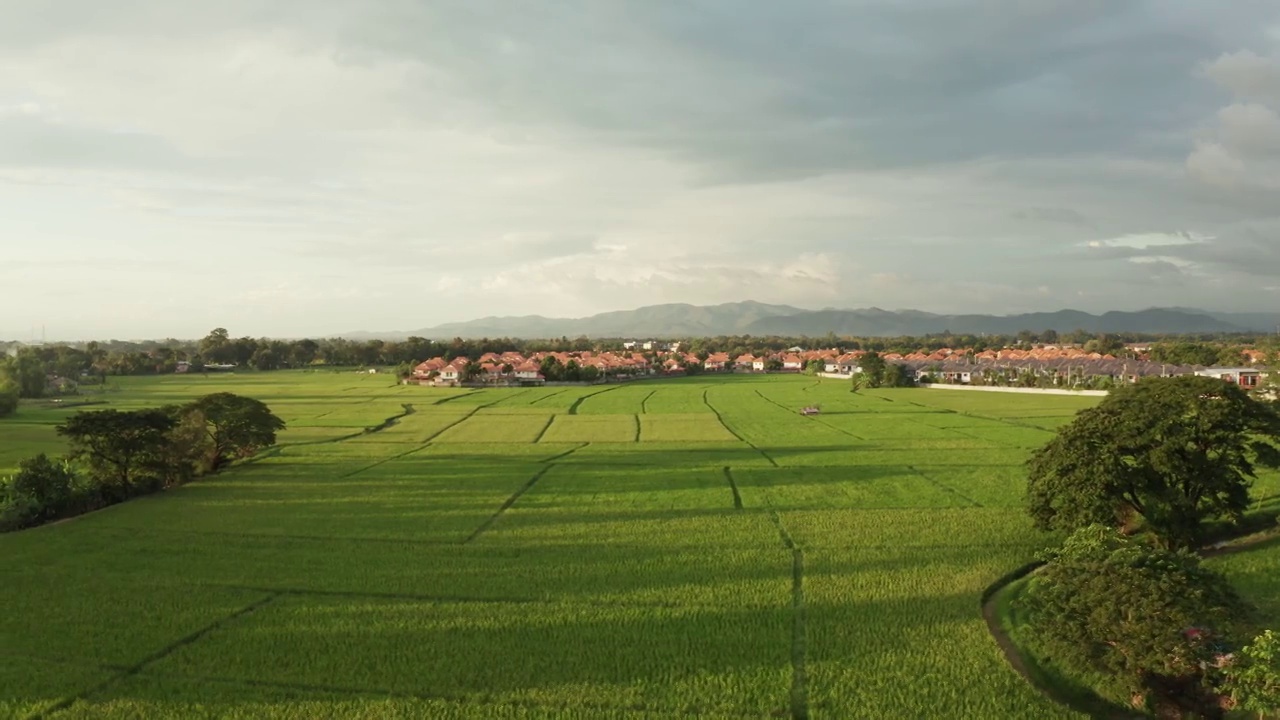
x=1029, y=391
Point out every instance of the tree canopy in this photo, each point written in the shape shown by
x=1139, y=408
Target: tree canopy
x=1153, y=620
x=235, y=426
x=8, y=396
x=1174, y=452
x=119, y=446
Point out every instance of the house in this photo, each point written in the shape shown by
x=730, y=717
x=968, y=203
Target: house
x=528, y=370
x=452, y=373
x=744, y=362
x=759, y=363
x=1244, y=377
x=791, y=361
x=716, y=361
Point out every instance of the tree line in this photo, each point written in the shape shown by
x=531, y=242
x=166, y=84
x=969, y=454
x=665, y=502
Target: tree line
x=1140, y=482
x=116, y=455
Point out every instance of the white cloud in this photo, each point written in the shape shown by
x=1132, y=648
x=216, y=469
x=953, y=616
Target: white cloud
x=1247, y=74
x=320, y=167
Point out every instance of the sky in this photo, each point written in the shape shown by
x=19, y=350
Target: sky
x=309, y=168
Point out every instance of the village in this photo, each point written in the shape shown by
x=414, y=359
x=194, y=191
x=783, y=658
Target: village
x=1041, y=366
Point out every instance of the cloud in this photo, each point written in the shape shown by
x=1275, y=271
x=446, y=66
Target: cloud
x=1247, y=74
x=325, y=166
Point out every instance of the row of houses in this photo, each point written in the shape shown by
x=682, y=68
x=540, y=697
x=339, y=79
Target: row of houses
x=1063, y=365
x=1072, y=371
x=513, y=368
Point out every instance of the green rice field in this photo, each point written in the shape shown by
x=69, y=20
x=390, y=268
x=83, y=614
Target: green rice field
x=664, y=549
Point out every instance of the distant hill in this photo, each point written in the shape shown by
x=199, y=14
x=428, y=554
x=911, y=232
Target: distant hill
x=741, y=318
x=877, y=322
x=671, y=320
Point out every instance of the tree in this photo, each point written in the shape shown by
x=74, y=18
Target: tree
x=1253, y=677
x=895, y=375
x=27, y=371
x=1154, y=621
x=216, y=347
x=1175, y=451
x=120, y=447
x=48, y=487
x=235, y=426
x=8, y=396
x=551, y=368
x=872, y=367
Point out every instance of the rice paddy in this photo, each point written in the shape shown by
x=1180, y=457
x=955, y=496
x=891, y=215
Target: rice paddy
x=677, y=548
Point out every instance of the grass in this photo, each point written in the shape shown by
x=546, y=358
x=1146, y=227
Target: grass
x=679, y=548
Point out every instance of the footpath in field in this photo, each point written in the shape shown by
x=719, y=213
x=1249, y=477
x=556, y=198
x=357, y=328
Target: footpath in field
x=663, y=549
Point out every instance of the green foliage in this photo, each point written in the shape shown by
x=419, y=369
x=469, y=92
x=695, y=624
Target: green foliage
x=872, y=369
x=124, y=451
x=1253, y=676
x=27, y=372
x=40, y=491
x=1174, y=451
x=1195, y=353
x=1153, y=620
x=236, y=427
x=8, y=395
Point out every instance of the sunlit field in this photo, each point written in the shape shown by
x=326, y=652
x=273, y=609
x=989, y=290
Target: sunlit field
x=679, y=548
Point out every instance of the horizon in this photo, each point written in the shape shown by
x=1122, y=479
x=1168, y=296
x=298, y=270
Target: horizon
x=374, y=333
x=300, y=170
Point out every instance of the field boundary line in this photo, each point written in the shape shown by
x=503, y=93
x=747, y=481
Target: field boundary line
x=731, y=431
x=545, y=428
x=548, y=395
x=154, y=657
x=451, y=398
x=637, y=419
x=799, y=640
x=397, y=456
x=943, y=486
x=564, y=454
x=438, y=433
x=407, y=410
x=501, y=398
x=644, y=402
x=509, y=502
x=799, y=635
x=733, y=486
x=573, y=409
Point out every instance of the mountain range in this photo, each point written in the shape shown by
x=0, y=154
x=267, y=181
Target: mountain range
x=754, y=318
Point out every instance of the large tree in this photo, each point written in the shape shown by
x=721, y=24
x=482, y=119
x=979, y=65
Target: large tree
x=235, y=427
x=871, y=369
x=8, y=395
x=1174, y=452
x=123, y=449
x=1154, y=622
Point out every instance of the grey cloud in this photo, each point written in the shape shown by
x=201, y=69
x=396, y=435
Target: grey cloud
x=784, y=90
x=1065, y=216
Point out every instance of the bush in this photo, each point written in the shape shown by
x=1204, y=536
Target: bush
x=42, y=490
x=1152, y=620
